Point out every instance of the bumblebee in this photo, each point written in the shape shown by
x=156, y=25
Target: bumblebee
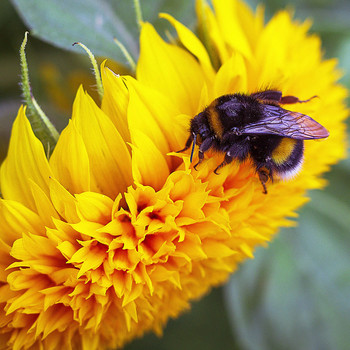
x=255, y=126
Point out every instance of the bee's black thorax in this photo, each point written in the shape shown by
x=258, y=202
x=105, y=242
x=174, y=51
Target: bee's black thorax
x=232, y=112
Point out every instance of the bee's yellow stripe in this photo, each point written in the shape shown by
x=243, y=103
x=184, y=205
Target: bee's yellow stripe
x=282, y=152
x=214, y=119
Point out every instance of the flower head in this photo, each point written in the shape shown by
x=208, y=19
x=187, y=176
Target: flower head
x=116, y=233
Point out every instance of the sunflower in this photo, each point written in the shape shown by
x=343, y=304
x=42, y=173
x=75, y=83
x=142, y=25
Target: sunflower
x=116, y=233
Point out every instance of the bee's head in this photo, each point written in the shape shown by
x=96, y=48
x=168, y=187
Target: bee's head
x=200, y=127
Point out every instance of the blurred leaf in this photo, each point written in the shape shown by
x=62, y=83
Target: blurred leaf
x=343, y=54
x=95, y=22
x=5, y=13
x=183, y=10
x=204, y=327
x=295, y=294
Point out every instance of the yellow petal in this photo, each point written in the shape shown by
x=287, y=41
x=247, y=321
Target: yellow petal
x=5, y=261
x=110, y=160
x=45, y=208
x=216, y=249
x=192, y=44
x=190, y=249
x=160, y=121
x=25, y=162
x=94, y=207
x=31, y=297
x=140, y=117
x=251, y=24
x=169, y=69
x=90, y=258
x=63, y=201
x=32, y=247
x=53, y=294
x=231, y=77
x=229, y=20
x=283, y=64
x=214, y=30
x=115, y=100
x=70, y=162
x=130, y=313
x=15, y=219
x=149, y=166
x=56, y=317
x=160, y=273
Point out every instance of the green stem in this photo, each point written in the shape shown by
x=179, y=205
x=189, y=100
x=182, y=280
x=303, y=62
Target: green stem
x=126, y=54
x=138, y=13
x=95, y=67
x=41, y=124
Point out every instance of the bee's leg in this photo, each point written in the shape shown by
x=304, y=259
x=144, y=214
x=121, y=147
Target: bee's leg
x=294, y=99
x=188, y=143
x=264, y=176
x=205, y=145
x=200, y=159
x=219, y=167
x=228, y=159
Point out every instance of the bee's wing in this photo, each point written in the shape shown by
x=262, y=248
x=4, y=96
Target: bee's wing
x=269, y=95
x=278, y=121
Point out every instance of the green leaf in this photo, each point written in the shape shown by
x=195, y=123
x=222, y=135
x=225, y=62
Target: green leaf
x=295, y=294
x=95, y=23
x=92, y=22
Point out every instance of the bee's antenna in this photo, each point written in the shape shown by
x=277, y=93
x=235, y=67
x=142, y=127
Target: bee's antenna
x=193, y=144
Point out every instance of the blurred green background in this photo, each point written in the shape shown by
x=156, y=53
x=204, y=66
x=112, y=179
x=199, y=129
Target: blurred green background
x=293, y=295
